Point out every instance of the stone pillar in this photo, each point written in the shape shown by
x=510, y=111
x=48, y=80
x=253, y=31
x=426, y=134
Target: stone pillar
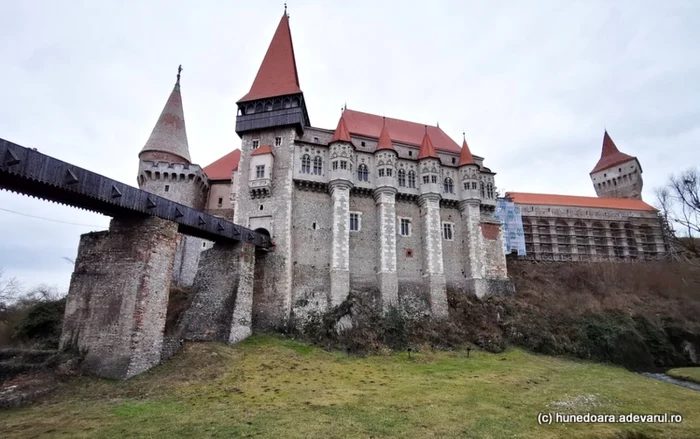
x=118, y=296
x=222, y=306
x=433, y=271
x=473, y=264
x=387, y=278
x=340, y=261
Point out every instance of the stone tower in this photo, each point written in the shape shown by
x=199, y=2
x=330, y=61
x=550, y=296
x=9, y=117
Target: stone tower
x=165, y=169
x=270, y=117
x=616, y=175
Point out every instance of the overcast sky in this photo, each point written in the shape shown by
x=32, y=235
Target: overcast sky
x=533, y=84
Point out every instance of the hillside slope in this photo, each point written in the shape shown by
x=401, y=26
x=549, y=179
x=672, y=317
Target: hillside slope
x=273, y=387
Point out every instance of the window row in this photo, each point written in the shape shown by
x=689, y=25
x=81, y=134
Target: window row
x=405, y=226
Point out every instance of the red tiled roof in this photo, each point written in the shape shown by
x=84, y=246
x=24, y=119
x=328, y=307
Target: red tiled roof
x=384, y=139
x=265, y=149
x=221, y=169
x=426, y=148
x=341, y=131
x=610, y=156
x=465, y=157
x=277, y=75
x=169, y=134
x=410, y=133
x=577, y=201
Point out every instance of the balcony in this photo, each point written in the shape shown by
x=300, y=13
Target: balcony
x=261, y=187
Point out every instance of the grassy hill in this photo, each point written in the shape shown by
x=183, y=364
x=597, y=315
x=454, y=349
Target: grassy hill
x=274, y=387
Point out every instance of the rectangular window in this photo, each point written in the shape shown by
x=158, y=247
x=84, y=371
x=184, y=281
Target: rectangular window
x=343, y=164
x=433, y=179
x=315, y=139
x=466, y=186
x=167, y=188
x=473, y=185
x=426, y=179
x=381, y=172
x=335, y=164
x=260, y=171
x=354, y=222
x=278, y=141
x=447, y=231
x=405, y=228
x=389, y=172
x=256, y=143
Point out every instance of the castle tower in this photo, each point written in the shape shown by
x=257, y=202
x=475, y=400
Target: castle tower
x=470, y=210
x=429, y=202
x=385, y=158
x=165, y=169
x=616, y=175
x=340, y=182
x=270, y=117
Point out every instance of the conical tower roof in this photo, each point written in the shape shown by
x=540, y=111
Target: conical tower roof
x=169, y=135
x=277, y=75
x=384, y=139
x=610, y=156
x=465, y=156
x=341, y=132
x=427, y=150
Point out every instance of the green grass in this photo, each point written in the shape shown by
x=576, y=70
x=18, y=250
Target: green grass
x=278, y=388
x=686, y=373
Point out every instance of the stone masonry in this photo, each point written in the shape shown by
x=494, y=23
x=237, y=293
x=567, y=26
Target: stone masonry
x=118, y=296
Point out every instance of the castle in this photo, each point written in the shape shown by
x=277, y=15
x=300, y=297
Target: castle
x=393, y=209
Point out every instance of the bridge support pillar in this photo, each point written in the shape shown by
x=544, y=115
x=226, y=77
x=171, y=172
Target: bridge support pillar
x=222, y=305
x=118, y=296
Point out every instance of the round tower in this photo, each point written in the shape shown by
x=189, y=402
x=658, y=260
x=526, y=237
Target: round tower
x=165, y=168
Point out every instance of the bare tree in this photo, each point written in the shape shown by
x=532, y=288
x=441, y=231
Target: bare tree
x=679, y=202
x=9, y=290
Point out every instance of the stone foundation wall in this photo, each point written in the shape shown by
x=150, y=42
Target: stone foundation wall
x=118, y=296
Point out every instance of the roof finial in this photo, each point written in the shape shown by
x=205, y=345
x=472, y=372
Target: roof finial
x=285, y=9
x=464, y=136
x=179, y=69
x=426, y=129
x=345, y=107
x=383, y=120
x=438, y=124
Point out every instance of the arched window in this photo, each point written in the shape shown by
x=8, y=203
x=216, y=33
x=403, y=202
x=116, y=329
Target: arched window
x=402, y=178
x=318, y=165
x=489, y=190
x=305, y=164
x=411, y=179
x=483, y=190
x=448, y=186
x=362, y=173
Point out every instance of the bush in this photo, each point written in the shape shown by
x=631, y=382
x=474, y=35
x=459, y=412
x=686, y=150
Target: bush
x=42, y=323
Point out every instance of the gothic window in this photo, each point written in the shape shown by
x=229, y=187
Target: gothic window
x=433, y=179
x=305, y=164
x=411, y=179
x=381, y=172
x=260, y=171
x=483, y=191
x=362, y=173
x=405, y=228
x=426, y=179
x=343, y=164
x=489, y=190
x=447, y=231
x=402, y=178
x=318, y=165
x=448, y=186
x=256, y=143
x=278, y=141
x=354, y=221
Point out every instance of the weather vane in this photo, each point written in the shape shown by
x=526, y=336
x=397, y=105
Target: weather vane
x=179, y=69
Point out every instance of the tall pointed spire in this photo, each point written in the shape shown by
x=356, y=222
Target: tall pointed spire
x=427, y=150
x=465, y=156
x=610, y=156
x=341, y=132
x=169, y=135
x=384, y=139
x=277, y=75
